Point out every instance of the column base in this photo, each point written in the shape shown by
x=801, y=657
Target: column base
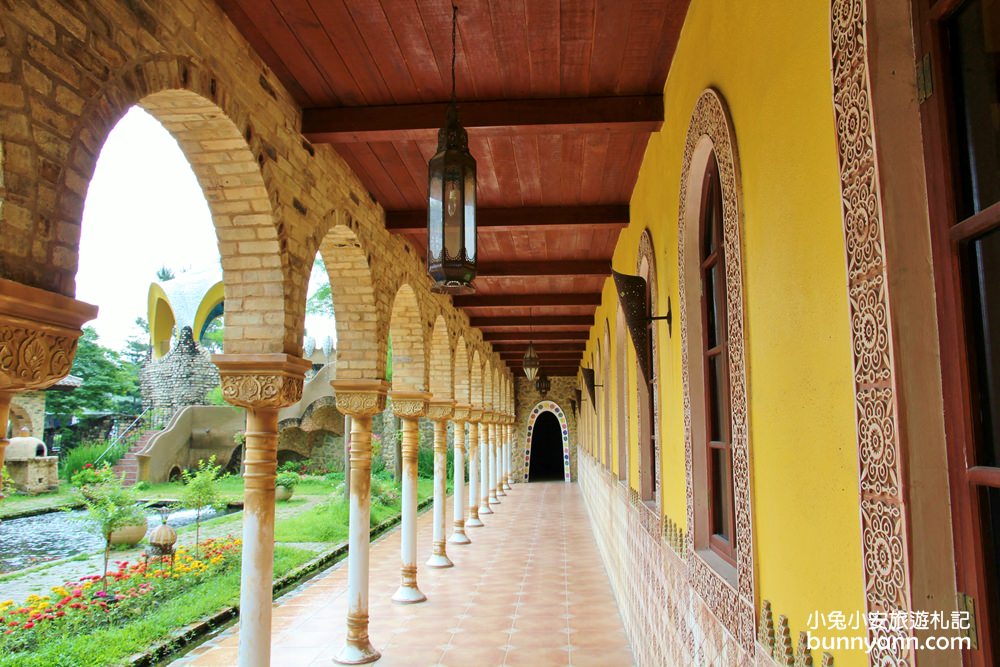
x=500, y=491
x=357, y=654
x=485, y=508
x=493, y=500
x=437, y=560
x=408, y=595
x=474, y=522
x=461, y=538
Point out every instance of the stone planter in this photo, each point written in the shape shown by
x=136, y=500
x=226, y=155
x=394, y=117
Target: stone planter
x=130, y=535
x=282, y=493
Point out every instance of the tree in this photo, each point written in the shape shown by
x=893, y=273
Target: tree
x=212, y=338
x=109, y=383
x=321, y=301
x=137, y=347
x=110, y=507
x=201, y=492
x=163, y=274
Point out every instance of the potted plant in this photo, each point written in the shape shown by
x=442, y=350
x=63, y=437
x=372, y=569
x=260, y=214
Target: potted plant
x=284, y=484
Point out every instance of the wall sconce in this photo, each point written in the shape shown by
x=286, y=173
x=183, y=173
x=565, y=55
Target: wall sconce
x=542, y=384
x=588, y=381
x=632, y=297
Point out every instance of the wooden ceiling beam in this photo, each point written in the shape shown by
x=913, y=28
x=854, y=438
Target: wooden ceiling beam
x=599, y=267
x=526, y=218
x=526, y=300
x=520, y=346
x=529, y=336
x=420, y=122
x=538, y=321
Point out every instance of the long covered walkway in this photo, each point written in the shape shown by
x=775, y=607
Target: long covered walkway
x=529, y=590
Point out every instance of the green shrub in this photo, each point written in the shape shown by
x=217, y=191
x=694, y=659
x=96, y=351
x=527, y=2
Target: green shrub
x=141, y=485
x=287, y=480
x=384, y=492
x=91, y=474
x=88, y=452
x=201, y=492
x=425, y=463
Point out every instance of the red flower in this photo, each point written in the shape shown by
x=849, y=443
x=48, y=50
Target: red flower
x=29, y=625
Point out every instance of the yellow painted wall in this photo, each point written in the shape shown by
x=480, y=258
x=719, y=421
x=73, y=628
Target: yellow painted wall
x=771, y=62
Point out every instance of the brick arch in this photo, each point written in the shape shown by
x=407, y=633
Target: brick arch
x=463, y=384
x=488, y=379
x=406, y=329
x=20, y=419
x=442, y=367
x=476, y=380
x=206, y=121
x=353, y=295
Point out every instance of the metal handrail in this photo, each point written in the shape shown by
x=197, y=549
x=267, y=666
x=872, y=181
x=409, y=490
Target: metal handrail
x=156, y=419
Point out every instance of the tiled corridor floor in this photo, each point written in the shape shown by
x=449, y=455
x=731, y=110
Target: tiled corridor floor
x=530, y=590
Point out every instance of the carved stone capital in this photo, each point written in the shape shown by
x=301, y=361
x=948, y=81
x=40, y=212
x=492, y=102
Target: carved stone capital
x=475, y=415
x=38, y=335
x=409, y=404
x=461, y=412
x=258, y=381
x=360, y=398
x=440, y=410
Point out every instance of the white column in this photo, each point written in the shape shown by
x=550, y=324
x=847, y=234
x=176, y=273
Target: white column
x=492, y=435
x=439, y=412
x=484, y=468
x=474, y=521
x=507, y=459
x=257, y=570
x=458, y=535
x=409, y=407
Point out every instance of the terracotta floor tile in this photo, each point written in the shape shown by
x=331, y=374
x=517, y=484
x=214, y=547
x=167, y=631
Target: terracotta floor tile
x=530, y=584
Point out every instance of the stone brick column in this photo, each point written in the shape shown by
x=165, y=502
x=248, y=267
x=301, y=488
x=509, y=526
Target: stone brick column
x=475, y=415
x=261, y=383
x=38, y=337
x=439, y=412
x=484, y=464
x=409, y=406
x=360, y=399
x=458, y=535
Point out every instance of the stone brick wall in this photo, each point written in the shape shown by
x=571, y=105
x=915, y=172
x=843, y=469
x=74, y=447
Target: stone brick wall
x=180, y=378
x=69, y=70
x=28, y=410
x=527, y=397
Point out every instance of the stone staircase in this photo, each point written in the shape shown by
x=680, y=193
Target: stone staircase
x=129, y=464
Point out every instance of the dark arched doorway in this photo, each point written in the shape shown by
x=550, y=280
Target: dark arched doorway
x=546, y=461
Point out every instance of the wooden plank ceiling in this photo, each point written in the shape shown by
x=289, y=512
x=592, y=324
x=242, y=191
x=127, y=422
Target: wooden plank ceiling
x=559, y=96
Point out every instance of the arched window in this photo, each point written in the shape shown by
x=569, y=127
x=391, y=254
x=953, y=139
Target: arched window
x=647, y=396
x=718, y=420
x=606, y=394
x=621, y=382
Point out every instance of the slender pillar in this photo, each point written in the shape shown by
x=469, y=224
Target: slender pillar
x=409, y=407
x=439, y=412
x=492, y=435
x=508, y=447
x=361, y=399
x=484, y=467
x=347, y=456
x=261, y=383
x=5, y=399
x=458, y=535
x=474, y=468
x=498, y=429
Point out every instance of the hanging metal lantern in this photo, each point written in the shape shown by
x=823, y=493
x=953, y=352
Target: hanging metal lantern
x=531, y=363
x=542, y=384
x=451, y=210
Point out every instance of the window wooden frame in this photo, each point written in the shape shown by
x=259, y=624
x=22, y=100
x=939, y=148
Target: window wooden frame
x=948, y=237
x=714, y=258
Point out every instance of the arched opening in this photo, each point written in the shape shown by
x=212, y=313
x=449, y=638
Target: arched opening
x=442, y=380
x=546, y=462
x=407, y=335
x=621, y=384
x=552, y=445
x=648, y=392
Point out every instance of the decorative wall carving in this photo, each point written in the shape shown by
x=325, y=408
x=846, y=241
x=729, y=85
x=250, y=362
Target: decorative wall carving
x=710, y=120
x=260, y=390
x=883, y=515
x=409, y=405
x=439, y=410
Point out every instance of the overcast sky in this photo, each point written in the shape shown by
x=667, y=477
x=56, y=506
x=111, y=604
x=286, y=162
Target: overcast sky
x=144, y=210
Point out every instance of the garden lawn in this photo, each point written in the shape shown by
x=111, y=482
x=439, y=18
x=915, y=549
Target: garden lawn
x=328, y=521
x=16, y=503
x=110, y=646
